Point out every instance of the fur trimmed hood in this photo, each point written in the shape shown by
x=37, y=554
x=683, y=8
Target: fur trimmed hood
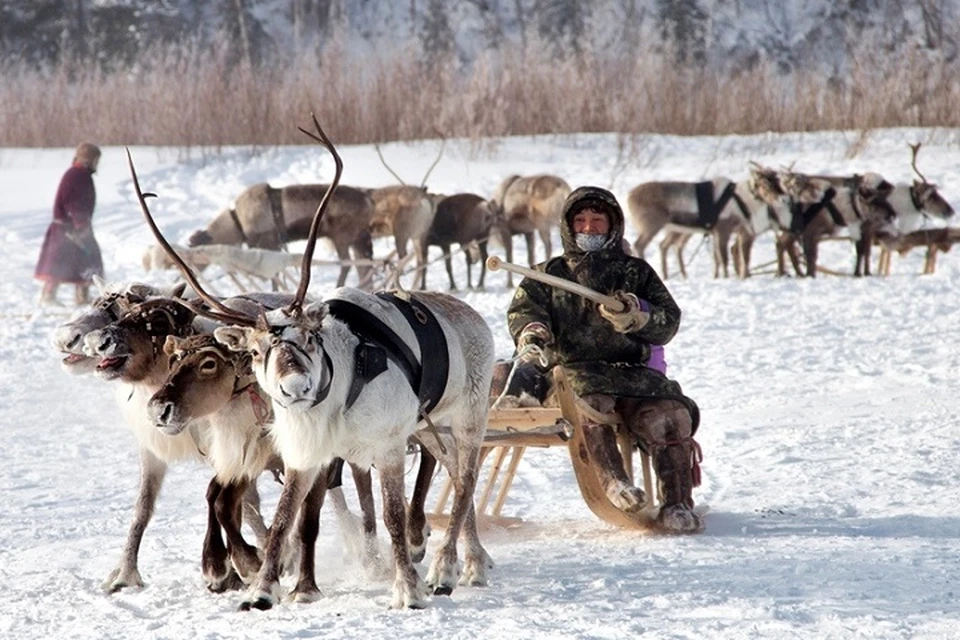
x=600, y=199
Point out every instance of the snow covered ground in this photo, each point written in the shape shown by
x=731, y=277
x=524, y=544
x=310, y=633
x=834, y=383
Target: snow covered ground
x=829, y=428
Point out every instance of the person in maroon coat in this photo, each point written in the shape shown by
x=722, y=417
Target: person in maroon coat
x=70, y=253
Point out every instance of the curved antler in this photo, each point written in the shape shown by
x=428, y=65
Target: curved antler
x=321, y=137
x=914, y=149
x=443, y=143
x=392, y=172
x=223, y=312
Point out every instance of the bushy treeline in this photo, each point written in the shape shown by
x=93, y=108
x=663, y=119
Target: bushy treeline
x=190, y=73
x=190, y=98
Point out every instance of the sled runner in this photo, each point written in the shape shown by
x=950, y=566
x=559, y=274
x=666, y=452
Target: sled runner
x=511, y=431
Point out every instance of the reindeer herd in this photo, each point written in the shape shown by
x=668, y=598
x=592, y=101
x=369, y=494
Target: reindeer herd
x=265, y=217
x=800, y=209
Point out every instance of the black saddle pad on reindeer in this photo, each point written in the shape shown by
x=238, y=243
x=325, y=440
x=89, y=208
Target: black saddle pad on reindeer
x=379, y=341
x=709, y=209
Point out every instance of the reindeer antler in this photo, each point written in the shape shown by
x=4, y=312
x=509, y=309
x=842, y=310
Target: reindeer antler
x=914, y=149
x=443, y=144
x=295, y=307
x=223, y=312
x=392, y=172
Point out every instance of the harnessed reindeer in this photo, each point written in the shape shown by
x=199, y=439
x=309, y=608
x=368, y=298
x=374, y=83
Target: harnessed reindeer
x=69, y=338
x=718, y=206
x=826, y=204
x=265, y=217
x=912, y=203
x=524, y=206
x=349, y=378
x=103, y=310
x=405, y=212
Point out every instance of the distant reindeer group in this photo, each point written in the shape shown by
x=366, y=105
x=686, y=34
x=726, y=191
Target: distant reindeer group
x=800, y=209
x=265, y=217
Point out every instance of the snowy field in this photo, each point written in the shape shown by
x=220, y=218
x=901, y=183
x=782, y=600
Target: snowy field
x=829, y=427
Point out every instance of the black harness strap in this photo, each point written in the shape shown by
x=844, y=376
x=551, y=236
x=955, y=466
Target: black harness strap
x=802, y=217
x=236, y=221
x=275, y=198
x=378, y=342
x=433, y=379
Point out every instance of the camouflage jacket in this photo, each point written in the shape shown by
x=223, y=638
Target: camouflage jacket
x=597, y=358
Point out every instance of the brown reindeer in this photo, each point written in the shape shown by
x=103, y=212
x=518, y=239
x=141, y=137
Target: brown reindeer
x=524, y=206
x=265, y=217
x=405, y=212
x=857, y=203
x=462, y=219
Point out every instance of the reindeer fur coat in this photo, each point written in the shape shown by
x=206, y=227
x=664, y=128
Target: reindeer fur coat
x=597, y=359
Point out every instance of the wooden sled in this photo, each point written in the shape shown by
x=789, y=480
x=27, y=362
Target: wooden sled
x=511, y=431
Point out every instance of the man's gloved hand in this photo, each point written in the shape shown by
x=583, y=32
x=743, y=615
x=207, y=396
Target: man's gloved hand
x=534, y=338
x=632, y=318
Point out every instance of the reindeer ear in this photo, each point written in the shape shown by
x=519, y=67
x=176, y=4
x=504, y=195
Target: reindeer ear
x=314, y=313
x=177, y=290
x=171, y=345
x=233, y=338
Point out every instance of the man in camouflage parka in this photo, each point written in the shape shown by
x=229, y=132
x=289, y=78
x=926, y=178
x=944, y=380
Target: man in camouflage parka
x=606, y=355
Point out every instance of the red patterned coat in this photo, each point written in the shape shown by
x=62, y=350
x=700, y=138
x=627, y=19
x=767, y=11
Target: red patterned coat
x=70, y=252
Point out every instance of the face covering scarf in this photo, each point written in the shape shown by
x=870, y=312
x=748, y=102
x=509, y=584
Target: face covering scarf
x=590, y=241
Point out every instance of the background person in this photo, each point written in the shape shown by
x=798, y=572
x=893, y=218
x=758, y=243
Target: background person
x=70, y=252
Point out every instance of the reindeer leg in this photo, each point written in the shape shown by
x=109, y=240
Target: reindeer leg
x=309, y=528
x=229, y=505
x=476, y=559
x=531, y=249
x=810, y=242
x=463, y=469
x=252, y=515
x=448, y=262
x=547, y=243
x=265, y=591
x=409, y=591
x=152, y=472
x=418, y=529
x=218, y=575
x=506, y=238
x=372, y=560
x=483, y=263
x=343, y=253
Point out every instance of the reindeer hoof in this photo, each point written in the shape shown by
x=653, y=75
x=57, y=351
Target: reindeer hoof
x=443, y=590
x=262, y=603
x=229, y=582
x=118, y=580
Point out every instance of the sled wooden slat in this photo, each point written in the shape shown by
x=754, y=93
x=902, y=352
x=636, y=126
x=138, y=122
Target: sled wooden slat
x=511, y=431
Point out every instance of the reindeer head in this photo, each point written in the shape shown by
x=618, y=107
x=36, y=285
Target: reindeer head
x=204, y=375
x=801, y=188
x=132, y=347
x=926, y=197
x=69, y=337
x=765, y=184
x=928, y=200
x=287, y=354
